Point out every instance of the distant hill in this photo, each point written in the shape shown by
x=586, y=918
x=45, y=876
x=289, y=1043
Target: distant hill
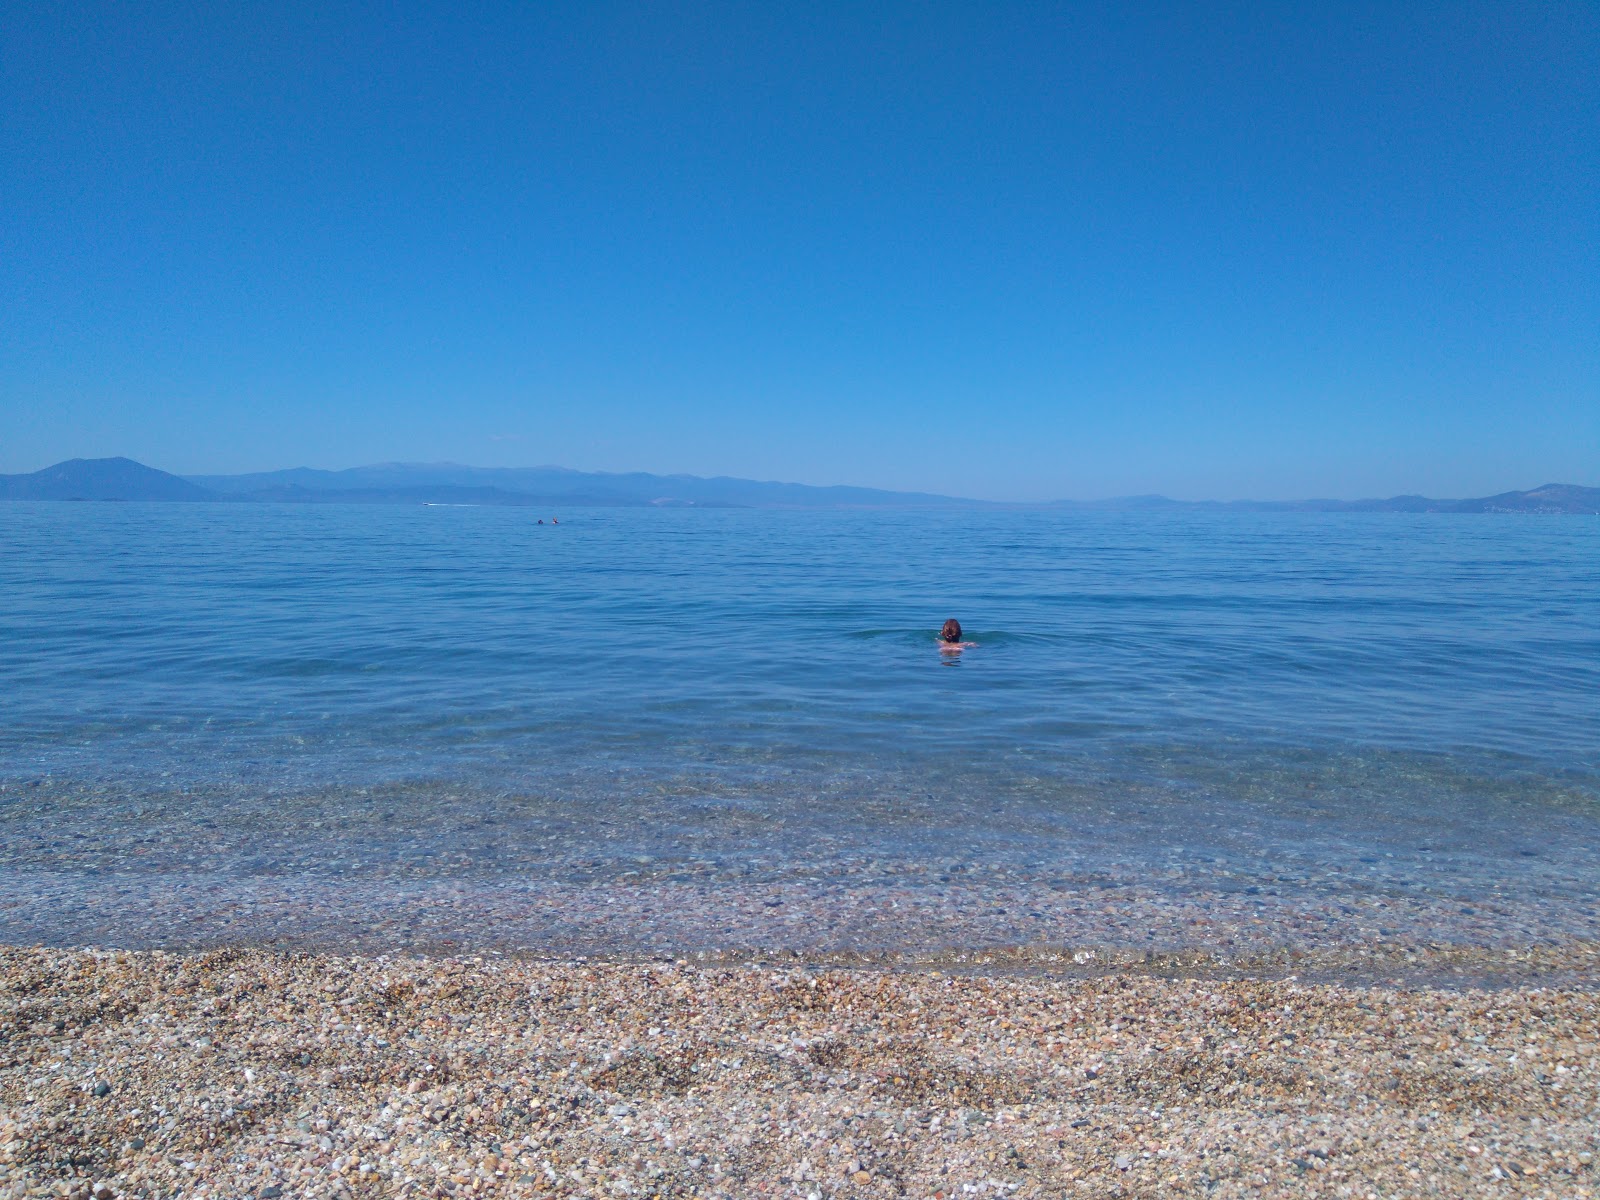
x=101, y=479
x=550, y=487
x=1551, y=498
x=414, y=483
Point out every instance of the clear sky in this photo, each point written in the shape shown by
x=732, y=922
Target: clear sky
x=998, y=250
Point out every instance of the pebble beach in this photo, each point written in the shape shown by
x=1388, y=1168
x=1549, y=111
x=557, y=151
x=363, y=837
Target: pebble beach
x=244, y=1072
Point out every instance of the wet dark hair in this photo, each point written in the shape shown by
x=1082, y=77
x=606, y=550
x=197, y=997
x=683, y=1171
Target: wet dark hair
x=951, y=631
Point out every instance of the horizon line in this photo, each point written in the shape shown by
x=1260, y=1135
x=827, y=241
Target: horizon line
x=1055, y=501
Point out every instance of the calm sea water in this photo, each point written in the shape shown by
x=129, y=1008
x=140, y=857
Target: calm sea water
x=381, y=692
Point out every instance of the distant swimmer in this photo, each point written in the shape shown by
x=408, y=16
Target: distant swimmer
x=950, y=638
x=553, y=521
x=541, y=520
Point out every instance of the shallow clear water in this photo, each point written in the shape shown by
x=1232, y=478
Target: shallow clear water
x=362, y=694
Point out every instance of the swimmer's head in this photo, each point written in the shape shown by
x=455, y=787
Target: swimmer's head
x=951, y=631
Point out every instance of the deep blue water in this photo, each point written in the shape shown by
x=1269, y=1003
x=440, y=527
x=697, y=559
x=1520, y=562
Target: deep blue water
x=721, y=684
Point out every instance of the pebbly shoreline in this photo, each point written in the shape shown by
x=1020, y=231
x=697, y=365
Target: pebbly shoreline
x=1358, y=937
x=249, y=1072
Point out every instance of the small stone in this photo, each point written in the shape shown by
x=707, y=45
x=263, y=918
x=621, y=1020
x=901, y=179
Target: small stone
x=103, y=1193
x=136, y=1144
x=102, y=1088
x=862, y=1177
x=271, y=1192
x=1123, y=1162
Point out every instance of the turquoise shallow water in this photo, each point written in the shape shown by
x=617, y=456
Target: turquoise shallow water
x=375, y=696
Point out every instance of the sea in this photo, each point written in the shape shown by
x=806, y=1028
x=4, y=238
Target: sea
x=731, y=731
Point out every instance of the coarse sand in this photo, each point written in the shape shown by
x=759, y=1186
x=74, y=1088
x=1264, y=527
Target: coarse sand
x=238, y=1072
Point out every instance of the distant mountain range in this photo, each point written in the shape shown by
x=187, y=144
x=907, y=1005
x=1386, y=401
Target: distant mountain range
x=1551, y=498
x=551, y=487
x=413, y=483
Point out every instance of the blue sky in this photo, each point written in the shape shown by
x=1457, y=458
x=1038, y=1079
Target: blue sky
x=1009, y=251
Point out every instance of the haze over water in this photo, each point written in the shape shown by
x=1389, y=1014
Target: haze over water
x=230, y=722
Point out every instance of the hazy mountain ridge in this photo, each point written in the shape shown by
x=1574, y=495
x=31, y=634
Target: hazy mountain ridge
x=408, y=483
x=451, y=483
x=101, y=479
x=1548, y=498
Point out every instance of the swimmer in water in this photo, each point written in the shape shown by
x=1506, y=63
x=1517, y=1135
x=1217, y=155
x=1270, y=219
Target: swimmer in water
x=950, y=638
